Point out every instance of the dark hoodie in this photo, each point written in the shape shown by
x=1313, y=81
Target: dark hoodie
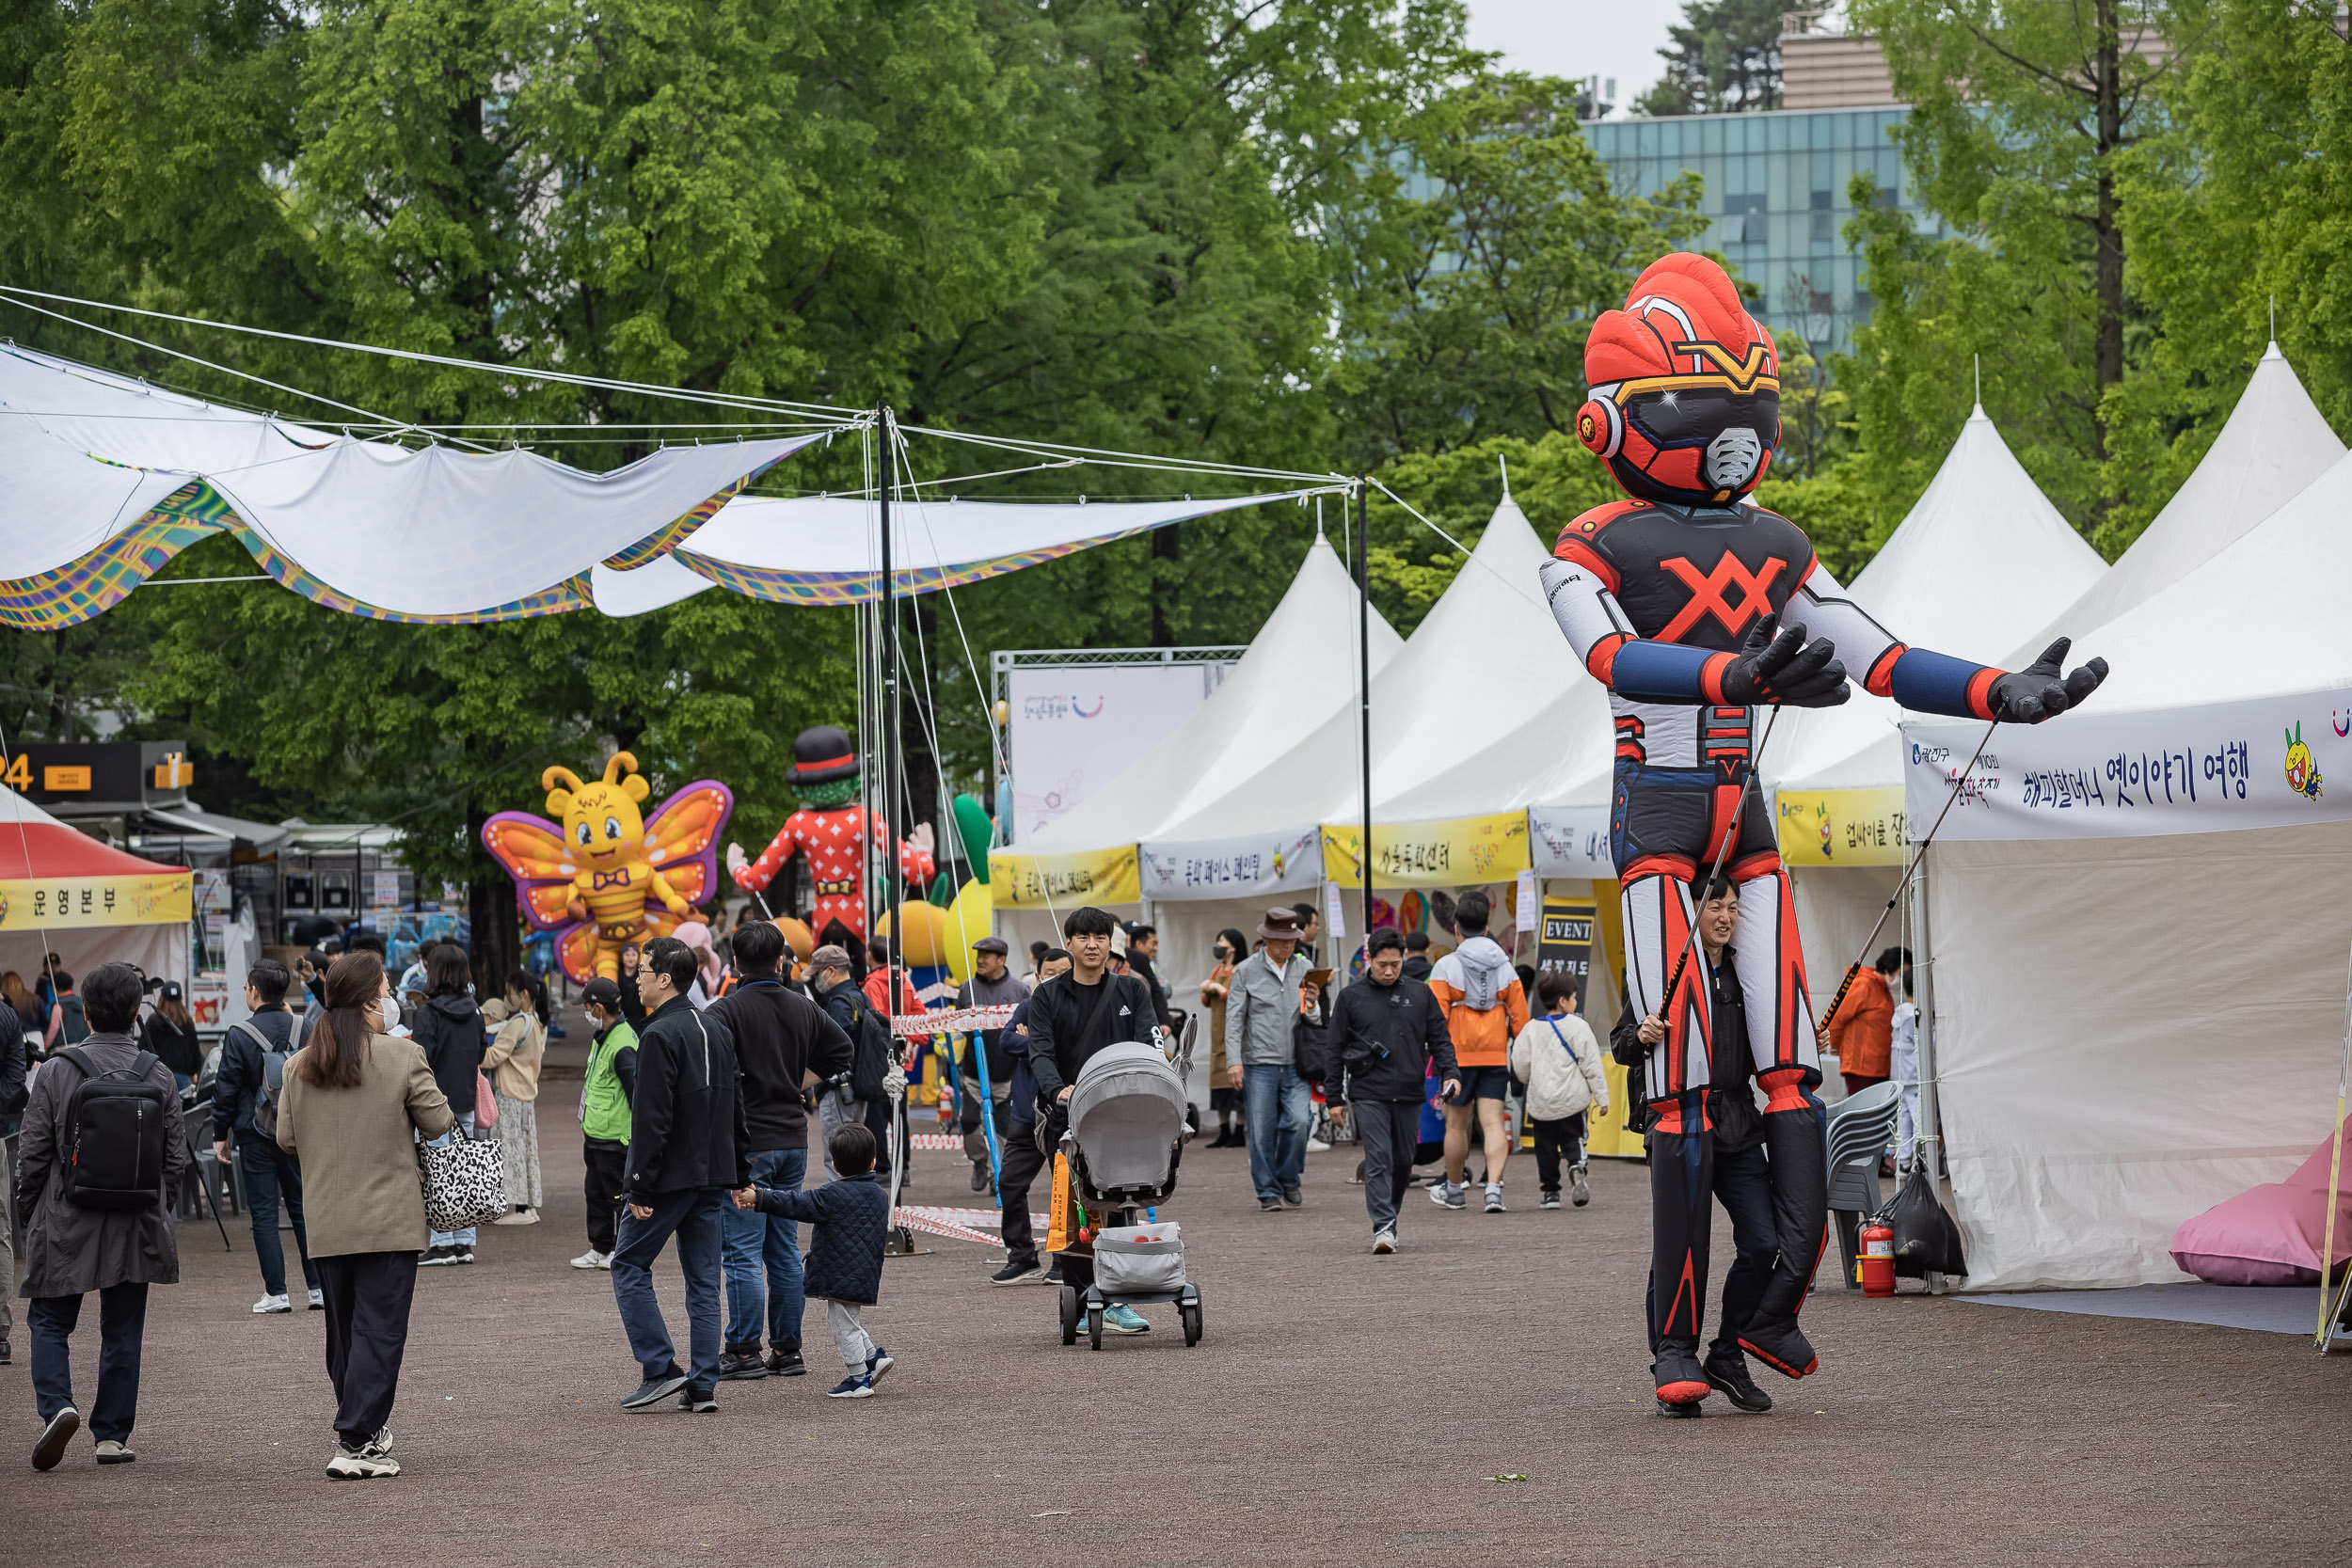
x=448, y=1027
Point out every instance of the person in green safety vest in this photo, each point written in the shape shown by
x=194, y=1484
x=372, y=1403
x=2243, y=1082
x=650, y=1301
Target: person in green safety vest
x=604, y=1103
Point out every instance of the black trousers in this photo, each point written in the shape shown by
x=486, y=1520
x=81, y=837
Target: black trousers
x=1742, y=1183
x=122, y=1335
x=1554, y=1139
x=368, y=1296
x=606, y=1162
x=1388, y=1131
x=1022, y=1164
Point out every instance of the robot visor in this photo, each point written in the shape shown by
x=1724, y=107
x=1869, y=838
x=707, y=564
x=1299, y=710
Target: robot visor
x=1690, y=416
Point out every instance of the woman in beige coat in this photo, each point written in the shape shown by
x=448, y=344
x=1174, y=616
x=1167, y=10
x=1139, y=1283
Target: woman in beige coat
x=512, y=1065
x=356, y=1102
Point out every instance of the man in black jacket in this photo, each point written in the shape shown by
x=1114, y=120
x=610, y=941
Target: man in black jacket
x=784, y=1045
x=270, y=1172
x=1070, y=1017
x=689, y=1145
x=1385, y=1033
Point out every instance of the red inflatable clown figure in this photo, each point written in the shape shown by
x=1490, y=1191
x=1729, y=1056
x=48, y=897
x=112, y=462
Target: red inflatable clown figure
x=828, y=828
x=1695, y=607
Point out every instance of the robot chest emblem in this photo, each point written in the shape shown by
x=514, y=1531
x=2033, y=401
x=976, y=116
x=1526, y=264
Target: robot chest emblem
x=1731, y=592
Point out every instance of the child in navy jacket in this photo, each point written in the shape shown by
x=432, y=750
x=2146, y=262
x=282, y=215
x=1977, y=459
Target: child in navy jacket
x=852, y=1217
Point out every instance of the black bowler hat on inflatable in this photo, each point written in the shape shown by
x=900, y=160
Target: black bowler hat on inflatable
x=823, y=755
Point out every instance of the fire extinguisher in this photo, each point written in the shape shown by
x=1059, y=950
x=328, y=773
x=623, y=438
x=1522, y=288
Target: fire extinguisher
x=1878, y=1258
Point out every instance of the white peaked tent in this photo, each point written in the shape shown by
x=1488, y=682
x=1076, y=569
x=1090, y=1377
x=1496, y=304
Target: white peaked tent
x=2133, y=1028
x=1982, y=559
x=1300, y=669
x=2274, y=444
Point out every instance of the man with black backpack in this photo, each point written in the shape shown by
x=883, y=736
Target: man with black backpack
x=252, y=1076
x=103, y=1142
x=864, y=1094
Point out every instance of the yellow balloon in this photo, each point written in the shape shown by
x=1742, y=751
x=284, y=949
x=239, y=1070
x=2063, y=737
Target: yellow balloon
x=971, y=915
x=925, y=940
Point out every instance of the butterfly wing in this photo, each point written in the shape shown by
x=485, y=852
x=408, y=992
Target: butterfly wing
x=531, y=849
x=682, y=837
x=574, y=948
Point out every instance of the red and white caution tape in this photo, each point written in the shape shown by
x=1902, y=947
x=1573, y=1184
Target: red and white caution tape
x=937, y=1140
x=955, y=1020
x=964, y=1224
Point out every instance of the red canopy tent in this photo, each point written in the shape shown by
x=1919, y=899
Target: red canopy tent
x=63, y=892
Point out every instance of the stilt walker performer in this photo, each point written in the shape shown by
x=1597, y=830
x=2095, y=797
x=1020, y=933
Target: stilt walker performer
x=1694, y=607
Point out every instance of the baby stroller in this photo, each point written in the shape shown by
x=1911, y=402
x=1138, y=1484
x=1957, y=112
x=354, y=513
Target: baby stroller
x=1126, y=1134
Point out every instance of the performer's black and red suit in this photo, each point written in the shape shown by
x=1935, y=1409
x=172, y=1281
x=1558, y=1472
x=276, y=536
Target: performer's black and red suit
x=1695, y=607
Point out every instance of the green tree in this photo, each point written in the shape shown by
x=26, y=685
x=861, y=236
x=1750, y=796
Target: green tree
x=1724, y=58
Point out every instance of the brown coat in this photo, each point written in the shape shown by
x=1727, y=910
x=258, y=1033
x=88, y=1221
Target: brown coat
x=70, y=1251
x=360, y=1191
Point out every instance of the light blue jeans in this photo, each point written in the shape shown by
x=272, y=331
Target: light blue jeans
x=452, y=1238
x=1277, y=1142
x=762, y=1258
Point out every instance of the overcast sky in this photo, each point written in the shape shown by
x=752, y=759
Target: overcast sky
x=1578, y=38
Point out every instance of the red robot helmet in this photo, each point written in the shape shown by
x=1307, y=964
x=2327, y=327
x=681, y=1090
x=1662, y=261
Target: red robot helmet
x=1685, y=403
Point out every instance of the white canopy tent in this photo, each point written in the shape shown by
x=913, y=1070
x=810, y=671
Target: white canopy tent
x=2137, y=962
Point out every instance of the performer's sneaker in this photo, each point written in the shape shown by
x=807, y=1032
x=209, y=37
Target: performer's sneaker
x=1781, y=1347
x=1730, y=1374
x=1690, y=1412
x=1680, y=1378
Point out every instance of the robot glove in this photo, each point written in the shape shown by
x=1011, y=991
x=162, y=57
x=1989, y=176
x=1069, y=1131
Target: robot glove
x=1777, y=665
x=2039, y=690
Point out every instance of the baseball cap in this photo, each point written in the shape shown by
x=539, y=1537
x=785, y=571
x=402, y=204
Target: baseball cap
x=603, y=992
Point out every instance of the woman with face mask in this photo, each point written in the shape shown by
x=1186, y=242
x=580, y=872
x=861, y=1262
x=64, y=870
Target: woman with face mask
x=1231, y=948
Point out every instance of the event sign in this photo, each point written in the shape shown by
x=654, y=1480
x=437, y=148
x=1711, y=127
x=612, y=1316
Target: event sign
x=1844, y=827
x=1565, y=945
x=1248, y=868
x=1453, y=852
x=1571, y=841
x=1071, y=728
x=2265, y=762
x=1019, y=882
x=61, y=903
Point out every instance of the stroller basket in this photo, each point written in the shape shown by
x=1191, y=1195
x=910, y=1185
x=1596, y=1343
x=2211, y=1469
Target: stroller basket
x=1139, y=1259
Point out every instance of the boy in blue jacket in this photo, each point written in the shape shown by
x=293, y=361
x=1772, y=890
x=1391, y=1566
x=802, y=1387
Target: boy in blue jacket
x=852, y=1219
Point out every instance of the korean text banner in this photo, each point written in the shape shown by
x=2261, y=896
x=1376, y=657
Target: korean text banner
x=65, y=902
x=1449, y=853
x=1570, y=841
x=1019, y=882
x=1246, y=867
x=2266, y=762
x=1844, y=827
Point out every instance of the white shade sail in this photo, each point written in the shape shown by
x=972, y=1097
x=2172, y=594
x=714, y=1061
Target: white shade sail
x=109, y=478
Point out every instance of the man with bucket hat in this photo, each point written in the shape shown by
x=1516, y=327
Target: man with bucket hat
x=1261, y=1005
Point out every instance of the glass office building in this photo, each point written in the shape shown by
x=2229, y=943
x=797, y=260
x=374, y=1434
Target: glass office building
x=1775, y=187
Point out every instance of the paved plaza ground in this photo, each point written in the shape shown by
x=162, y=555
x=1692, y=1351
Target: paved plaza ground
x=1343, y=1408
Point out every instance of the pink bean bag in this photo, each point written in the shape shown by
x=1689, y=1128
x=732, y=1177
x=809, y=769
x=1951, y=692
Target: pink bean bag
x=2271, y=1234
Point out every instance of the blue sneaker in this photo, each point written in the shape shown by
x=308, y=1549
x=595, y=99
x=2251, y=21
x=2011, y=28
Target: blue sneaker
x=857, y=1385
x=876, y=1365
x=1125, y=1319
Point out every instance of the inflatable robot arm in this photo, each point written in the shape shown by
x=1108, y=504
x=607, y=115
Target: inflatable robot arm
x=1928, y=681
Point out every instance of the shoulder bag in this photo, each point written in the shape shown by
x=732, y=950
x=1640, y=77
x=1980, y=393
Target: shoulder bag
x=463, y=1181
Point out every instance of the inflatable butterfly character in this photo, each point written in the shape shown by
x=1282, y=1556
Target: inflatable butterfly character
x=607, y=877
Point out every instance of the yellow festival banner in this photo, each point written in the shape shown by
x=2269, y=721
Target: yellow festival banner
x=1456, y=852
x=64, y=903
x=1843, y=827
x=1019, y=882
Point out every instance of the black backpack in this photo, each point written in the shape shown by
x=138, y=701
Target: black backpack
x=114, y=1136
x=869, y=1049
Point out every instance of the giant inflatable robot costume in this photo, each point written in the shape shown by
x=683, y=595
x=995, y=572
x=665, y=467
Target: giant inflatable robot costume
x=1675, y=600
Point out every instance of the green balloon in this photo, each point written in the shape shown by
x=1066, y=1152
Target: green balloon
x=943, y=891
x=978, y=833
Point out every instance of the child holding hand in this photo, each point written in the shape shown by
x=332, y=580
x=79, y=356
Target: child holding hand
x=1558, y=1060
x=852, y=1217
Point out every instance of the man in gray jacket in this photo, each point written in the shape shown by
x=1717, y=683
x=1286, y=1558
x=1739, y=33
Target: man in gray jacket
x=70, y=1250
x=1261, y=1004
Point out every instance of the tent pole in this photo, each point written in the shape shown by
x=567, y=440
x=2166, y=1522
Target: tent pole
x=1929, y=1140
x=886, y=879
x=1363, y=690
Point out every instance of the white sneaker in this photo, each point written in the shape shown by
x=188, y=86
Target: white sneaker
x=525, y=1216
x=269, y=1304
x=1384, y=1241
x=592, y=1258
x=1316, y=1146
x=318, y=1301
x=366, y=1464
